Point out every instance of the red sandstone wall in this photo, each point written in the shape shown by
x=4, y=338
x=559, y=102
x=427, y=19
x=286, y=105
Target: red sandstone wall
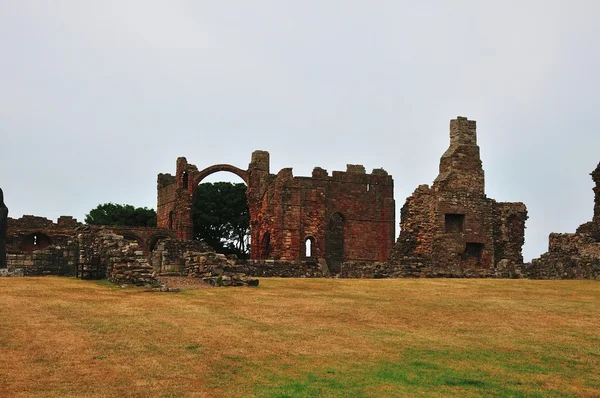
x=290, y=209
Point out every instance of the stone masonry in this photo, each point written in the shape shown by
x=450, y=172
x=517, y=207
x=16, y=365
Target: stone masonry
x=452, y=228
x=346, y=216
x=31, y=233
x=573, y=256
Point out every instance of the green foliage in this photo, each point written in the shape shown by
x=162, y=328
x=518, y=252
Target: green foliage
x=121, y=215
x=221, y=217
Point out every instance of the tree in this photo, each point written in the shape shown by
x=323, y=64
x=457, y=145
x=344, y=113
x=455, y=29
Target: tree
x=221, y=217
x=121, y=215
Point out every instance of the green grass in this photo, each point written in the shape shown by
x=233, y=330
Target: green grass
x=301, y=338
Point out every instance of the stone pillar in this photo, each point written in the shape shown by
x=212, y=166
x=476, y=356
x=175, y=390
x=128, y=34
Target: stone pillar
x=3, y=228
x=596, y=220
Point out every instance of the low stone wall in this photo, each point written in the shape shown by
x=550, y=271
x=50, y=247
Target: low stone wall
x=170, y=254
x=410, y=267
x=53, y=260
x=569, y=256
x=135, y=272
x=284, y=269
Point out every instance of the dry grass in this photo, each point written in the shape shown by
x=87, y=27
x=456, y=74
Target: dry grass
x=301, y=337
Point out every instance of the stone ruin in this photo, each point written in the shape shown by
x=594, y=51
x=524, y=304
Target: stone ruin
x=573, y=256
x=324, y=219
x=338, y=225
x=452, y=228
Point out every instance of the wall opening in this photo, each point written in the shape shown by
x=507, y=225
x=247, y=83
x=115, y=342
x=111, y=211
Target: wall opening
x=309, y=244
x=185, y=180
x=134, y=238
x=454, y=222
x=221, y=216
x=35, y=241
x=368, y=187
x=153, y=241
x=171, y=220
x=265, y=246
x=334, y=243
x=472, y=254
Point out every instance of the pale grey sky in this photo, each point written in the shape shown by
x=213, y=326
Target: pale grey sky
x=98, y=97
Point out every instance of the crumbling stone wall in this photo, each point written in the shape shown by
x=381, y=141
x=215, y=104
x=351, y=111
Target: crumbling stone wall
x=346, y=216
x=452, y=228
x=170, y=254
x=53, y=260
x=194, y=258
x=30, y=233
x=573, y=256
x=596, y=220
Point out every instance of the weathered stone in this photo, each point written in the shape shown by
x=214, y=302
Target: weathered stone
x=573, y=256
x=3, y=229
x=346, y=216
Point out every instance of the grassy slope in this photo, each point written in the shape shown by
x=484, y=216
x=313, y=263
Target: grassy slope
x=300, y=337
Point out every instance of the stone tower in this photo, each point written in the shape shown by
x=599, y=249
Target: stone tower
x=452, y=228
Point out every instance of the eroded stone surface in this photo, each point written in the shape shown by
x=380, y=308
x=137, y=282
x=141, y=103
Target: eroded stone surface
x=346, y=216
x=573, y=256
x=452, y=228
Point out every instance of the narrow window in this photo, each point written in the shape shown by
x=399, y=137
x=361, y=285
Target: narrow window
x=184, y=178
x=170, y=220
x=368, y=187
x=35, y=240
x=308, y=246
x=454, y=222
x=266, y=245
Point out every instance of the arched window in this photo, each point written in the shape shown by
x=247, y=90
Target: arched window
x=170, y=220
x=309, y=249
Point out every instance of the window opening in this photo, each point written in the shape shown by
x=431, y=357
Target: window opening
x=185, y=179
x=454, y=222
x=308, y=244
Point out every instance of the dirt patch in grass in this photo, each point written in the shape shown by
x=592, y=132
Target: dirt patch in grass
x=184, y=282
x=301, y=337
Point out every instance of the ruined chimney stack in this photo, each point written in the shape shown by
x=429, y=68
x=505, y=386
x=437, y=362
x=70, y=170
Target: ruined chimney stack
x=460, y=165
x=463, y=131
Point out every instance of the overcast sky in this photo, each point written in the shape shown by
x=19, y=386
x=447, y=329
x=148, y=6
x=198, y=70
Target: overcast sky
x=98, y=97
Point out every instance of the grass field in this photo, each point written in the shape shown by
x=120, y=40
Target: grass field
x=301, y=338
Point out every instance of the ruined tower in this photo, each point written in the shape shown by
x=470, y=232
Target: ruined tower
x=452, y=228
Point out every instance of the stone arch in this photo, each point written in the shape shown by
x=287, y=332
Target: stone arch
x=243, y=174
x=153, y=240
x=201, y=175
x=131, y=236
